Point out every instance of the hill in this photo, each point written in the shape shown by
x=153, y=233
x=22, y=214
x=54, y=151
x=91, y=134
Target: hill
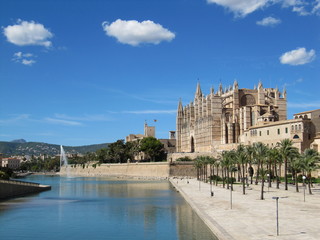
x=38, y=148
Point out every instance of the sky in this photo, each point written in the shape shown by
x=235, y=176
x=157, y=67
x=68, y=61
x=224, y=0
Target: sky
x=93, y=71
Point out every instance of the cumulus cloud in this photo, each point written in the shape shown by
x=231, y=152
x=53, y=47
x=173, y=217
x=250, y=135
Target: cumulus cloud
x=269, y=21
x=298, y=56
x=241, y=8
x=134, y=33
x=28, y=33
x=24, y=58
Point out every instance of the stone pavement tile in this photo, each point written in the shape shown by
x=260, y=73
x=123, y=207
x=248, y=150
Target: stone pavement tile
x=250, y=217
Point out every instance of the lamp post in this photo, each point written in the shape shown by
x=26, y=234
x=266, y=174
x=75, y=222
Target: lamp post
x=268, y=175
x=231, y=197
x=211, y=192
x=304, y=188
x=277, y=198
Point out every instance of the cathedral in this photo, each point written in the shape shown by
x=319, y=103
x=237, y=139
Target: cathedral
x=227, y=117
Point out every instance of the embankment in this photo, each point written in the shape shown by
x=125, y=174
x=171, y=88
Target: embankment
x=10, y=188
x=144, y=170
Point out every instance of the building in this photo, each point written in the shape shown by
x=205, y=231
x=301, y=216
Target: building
x=12, y=163
x=169, y=145
x=224, y=119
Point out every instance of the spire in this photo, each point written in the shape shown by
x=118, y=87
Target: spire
x=284, y=94
x=180, y=108
x=260, y=85
x=220, y=89
x=235, y=84
x=198, y=91
x=212, y=90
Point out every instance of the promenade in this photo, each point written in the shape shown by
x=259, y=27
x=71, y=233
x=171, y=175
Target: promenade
x=250, y=217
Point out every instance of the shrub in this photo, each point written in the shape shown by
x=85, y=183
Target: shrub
x=231, y=180
x=215, y=178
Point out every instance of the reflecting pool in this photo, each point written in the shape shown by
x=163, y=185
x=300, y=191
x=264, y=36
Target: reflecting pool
x=101, y=208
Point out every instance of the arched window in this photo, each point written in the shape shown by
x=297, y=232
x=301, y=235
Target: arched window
x=295, y=136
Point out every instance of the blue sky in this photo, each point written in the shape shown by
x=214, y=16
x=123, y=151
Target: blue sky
x=92, y=71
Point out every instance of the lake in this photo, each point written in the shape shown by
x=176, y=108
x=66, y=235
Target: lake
x=101, y=208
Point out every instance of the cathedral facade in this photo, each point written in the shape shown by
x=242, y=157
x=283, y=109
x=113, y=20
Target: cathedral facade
x=224, y=118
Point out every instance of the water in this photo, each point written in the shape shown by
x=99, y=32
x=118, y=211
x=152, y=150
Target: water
x=101, y=208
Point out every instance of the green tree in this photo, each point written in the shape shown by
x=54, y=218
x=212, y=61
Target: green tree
x=309, y=159
x=153, y=148
x=242, y=160
x=286, y=150
x=260, y=153
x=132, y=149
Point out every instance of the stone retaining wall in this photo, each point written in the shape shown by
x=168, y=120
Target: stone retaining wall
x=9, y=188
x=148, y=170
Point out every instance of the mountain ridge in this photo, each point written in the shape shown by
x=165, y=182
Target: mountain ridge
x=14, y=148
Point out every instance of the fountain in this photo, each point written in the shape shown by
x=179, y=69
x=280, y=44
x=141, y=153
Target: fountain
x=64, y=161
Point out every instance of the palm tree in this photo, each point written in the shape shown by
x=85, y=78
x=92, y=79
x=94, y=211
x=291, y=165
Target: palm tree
x=309, y=159
x=259, y=153
x=241, y=159
x=249, y=153
x=296, y=166
x=286, y=149
x=198, y=165
x=225, y=165
x=275, y=159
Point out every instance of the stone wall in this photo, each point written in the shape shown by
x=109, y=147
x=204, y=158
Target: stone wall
x=9, y=189
x=156, y=170
x=148, y=170
x=183, y=169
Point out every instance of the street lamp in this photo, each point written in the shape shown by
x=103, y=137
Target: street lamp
x=268, y=175
x=277, y=198
x=231, y=197
x=304, y=188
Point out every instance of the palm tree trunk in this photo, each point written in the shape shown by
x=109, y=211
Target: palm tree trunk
x=243, y=184
x=257, y=176
x=262, y=188
x=296, y=179
x=228, y=179
x=223, y=178
x=309, y=183
x=285, y=175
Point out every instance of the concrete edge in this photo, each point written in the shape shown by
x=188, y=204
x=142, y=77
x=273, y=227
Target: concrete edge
x=213, y=225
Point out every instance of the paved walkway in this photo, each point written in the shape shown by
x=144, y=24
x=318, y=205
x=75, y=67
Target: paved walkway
x=250, y=217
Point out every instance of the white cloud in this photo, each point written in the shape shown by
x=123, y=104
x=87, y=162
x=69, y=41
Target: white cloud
x=298, y=56
x=241, y=7
x=86, y=117
x=269, y=21
x=152, y=112
x=28, y=33
x=303, y=7
x=15, y=119
x=134, y=33
x=62, y=122
x=27, y=62
x=24, y=58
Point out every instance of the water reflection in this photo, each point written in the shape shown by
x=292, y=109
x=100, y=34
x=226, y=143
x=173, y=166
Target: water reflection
x=101, y=208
